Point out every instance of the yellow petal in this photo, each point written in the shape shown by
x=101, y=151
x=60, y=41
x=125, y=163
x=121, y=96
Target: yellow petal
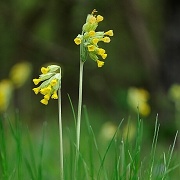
x=109, y=33
x=54, y=96
x=106, y=39
x=36, y=81
x=104, y=56
x=36, y=90
x=99, y=18
x=100, y=63
x=77, y=41
x=91, y=48
x=44, y=70
x=44, y=101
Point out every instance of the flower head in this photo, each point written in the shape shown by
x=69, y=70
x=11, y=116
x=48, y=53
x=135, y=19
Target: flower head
x=51, y=80
x=89, y=38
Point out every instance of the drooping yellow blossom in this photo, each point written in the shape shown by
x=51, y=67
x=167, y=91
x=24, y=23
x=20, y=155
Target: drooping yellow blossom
x=36, y=90
x=89, y=38
x=104, y=56
x=51, y=81
x=45, y=90
x=100, y=63
x=47, y=96
x=44, y=70
x=101, y=51
x=36, y=81
x=44, y=101
x=54, y=96
x=138, y=99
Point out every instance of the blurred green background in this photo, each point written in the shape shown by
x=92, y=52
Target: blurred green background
x=143, y=55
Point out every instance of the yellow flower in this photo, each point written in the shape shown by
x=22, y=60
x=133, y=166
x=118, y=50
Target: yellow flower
x=77, y=40
x=101, y=51
x=54, y=96
x=99, y=18
x=109, y=33
x=106, y=39
x=36, y=81
x=104, y=56
x=91, y=48
x=47, y=96
x=50, y=82
x=44, y=70
x=91, y=19
x=90, y=38
x=100, y=63
x=44, y=101
x=46, y=90
x=91, y=33
x=36, y=90
x=95, y=40
x=53, y=82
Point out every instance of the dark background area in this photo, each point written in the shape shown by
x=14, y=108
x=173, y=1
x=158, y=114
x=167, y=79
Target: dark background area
x=144, y=53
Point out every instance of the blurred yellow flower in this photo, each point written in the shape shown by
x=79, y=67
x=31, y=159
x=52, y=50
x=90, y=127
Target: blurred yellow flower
x=6, y=90
x=138, y=98
x=107, y=131
x=174, y=92
x=20, y=73
x=129, y=131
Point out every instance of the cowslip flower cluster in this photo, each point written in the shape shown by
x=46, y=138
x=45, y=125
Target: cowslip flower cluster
x=50, y=80
x=89, y=39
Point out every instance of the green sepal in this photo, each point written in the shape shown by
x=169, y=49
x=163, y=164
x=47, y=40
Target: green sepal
x=83, y=52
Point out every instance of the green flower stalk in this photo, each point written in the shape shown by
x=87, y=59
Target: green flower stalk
x=50, y=87
x=88, y=41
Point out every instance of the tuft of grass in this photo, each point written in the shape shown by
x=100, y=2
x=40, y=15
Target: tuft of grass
x=119, y=158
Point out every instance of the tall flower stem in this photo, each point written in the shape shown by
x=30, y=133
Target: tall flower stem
x=60, y=136
x=78, y=130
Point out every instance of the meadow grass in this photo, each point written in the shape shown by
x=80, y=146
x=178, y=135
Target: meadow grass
x=30, y=154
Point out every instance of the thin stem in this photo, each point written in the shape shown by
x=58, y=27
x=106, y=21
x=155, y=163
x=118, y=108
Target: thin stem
x=60, y=136
x=78, y=127
x=79, y=106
